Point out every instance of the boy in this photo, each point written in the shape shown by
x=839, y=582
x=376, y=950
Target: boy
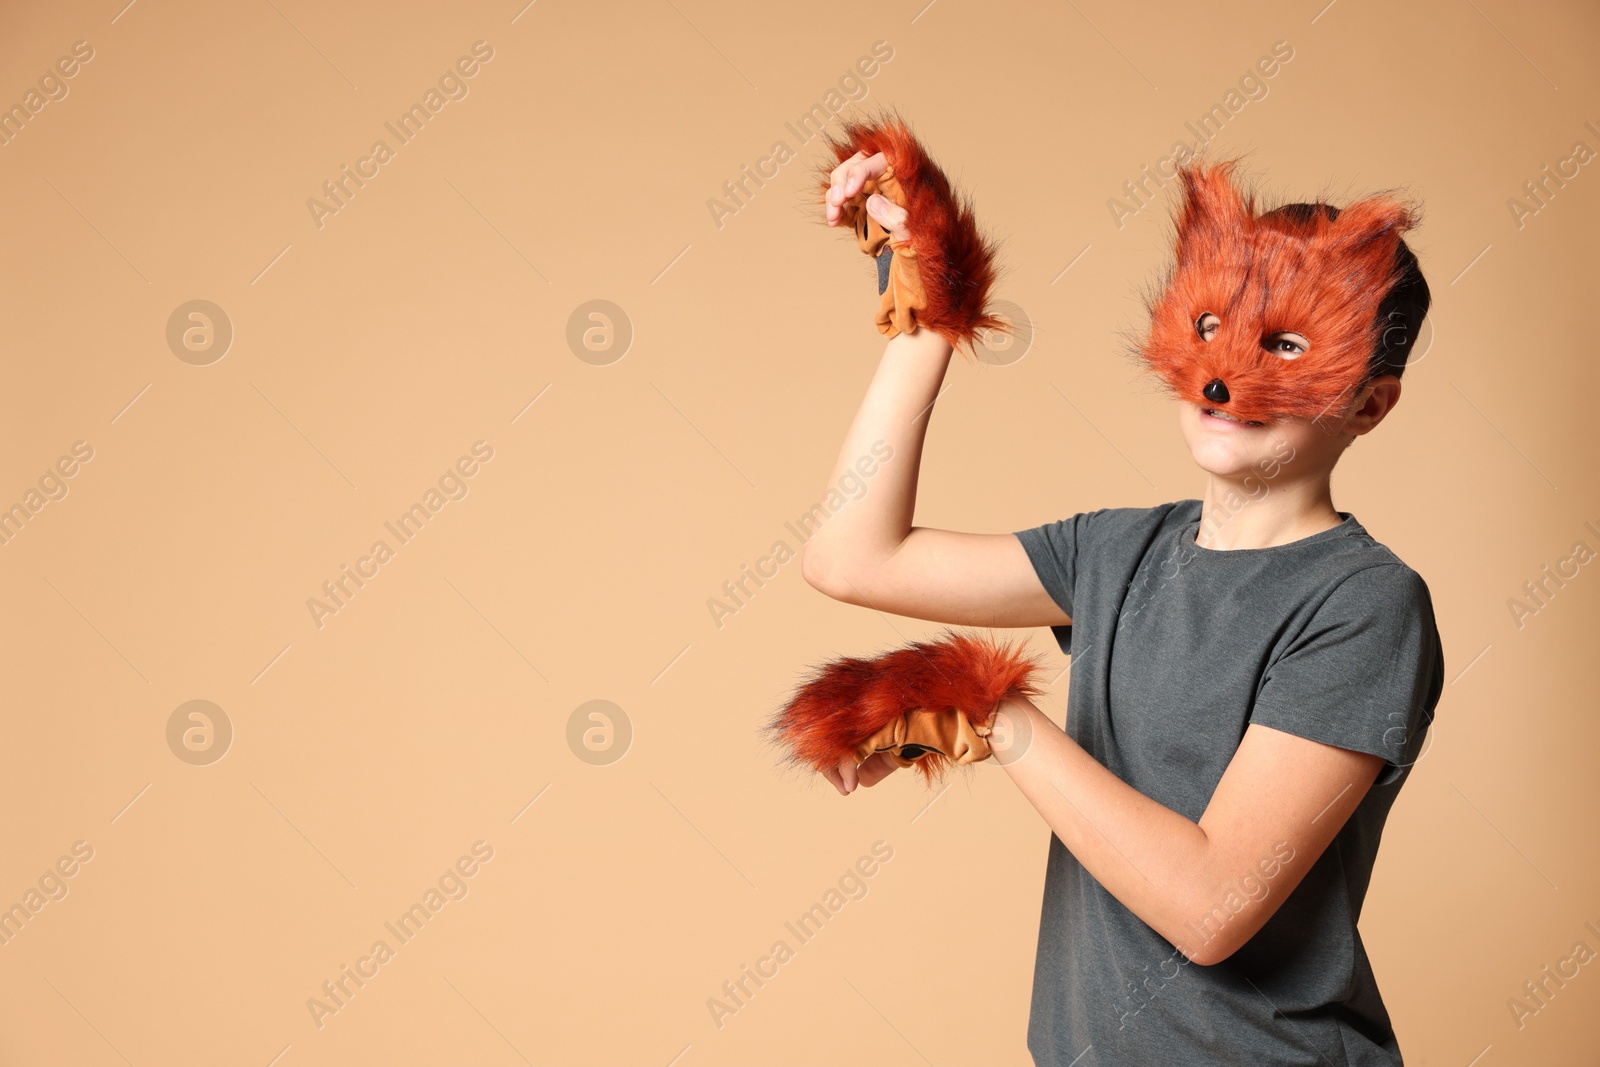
x=1252, y=672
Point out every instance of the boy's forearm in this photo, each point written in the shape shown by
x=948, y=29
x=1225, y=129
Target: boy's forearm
x=896, y=411
x=1145, y=854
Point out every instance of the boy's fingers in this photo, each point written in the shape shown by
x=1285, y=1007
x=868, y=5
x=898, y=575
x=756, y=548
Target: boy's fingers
x=847, y=179
x=876, y=768
x=846, y=776
x=890, y=215
x=843, y=776
x=837, y=181
x=861, y=169
x=837, y=176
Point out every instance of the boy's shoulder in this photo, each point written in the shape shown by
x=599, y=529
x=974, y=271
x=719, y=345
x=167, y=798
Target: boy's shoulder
x=1354, y=572
x=1373, y=575
x=1358, y=550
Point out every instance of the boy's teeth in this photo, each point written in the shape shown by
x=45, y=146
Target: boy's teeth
x=1231, y=418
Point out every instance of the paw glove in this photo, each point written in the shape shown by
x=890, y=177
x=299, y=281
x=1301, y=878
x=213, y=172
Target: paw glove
x=940, y=277
x=930, y=704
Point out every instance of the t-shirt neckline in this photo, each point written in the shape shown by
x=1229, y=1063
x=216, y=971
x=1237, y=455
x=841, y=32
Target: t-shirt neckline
x=1347, y=524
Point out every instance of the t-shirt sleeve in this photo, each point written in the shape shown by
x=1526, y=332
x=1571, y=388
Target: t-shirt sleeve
x=1365, y=674
x=1054, y=549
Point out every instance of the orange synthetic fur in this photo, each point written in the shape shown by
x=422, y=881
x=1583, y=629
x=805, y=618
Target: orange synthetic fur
x=1323, y=279
x=848, y=700
x=955, y=262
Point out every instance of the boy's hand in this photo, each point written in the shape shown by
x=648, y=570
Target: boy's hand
x=874, y=769
x=843, y=198
x=864, y=193
x=880, y=711
x=935, y=267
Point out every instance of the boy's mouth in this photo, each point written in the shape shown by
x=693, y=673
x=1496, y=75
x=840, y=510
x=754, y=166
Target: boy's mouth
x=1219, y=414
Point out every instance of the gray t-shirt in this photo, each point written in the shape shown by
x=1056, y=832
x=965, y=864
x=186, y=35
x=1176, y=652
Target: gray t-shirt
x=1175, y=650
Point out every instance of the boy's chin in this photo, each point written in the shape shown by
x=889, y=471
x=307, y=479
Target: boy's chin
x=1230, y=459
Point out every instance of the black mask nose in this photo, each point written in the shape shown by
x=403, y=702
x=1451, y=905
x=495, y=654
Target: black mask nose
x=1216, y=390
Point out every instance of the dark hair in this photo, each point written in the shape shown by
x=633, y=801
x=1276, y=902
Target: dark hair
x=1402, y=309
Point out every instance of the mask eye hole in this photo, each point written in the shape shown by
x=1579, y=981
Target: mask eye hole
x=1206, y=326
x=1286, y=344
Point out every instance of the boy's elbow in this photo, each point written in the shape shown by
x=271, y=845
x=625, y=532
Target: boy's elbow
x=828, y=579
x=1211, y=954
x=817, y=574
x=1208, y=952
x=1216, y=941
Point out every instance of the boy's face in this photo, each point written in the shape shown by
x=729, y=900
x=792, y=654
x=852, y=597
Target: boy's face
x=1269, y=316
x=1289, y=447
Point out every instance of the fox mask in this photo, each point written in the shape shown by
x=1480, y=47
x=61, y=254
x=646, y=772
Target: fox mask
x=1241, y=280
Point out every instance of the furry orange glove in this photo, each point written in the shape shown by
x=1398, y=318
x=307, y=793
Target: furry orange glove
x=922, y=732
x=901, y=294
x=941, y=275
x=930, y=703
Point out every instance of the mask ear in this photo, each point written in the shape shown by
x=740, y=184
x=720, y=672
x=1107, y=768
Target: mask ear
x=1361, y=244
x=1214, y=215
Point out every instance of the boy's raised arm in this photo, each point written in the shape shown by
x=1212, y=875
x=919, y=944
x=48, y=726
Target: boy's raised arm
x=868, y=553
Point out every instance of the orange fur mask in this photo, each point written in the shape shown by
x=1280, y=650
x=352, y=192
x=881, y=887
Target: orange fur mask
x=1262, y=274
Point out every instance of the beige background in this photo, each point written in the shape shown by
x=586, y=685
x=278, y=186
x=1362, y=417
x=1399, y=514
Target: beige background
x=370, y=353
